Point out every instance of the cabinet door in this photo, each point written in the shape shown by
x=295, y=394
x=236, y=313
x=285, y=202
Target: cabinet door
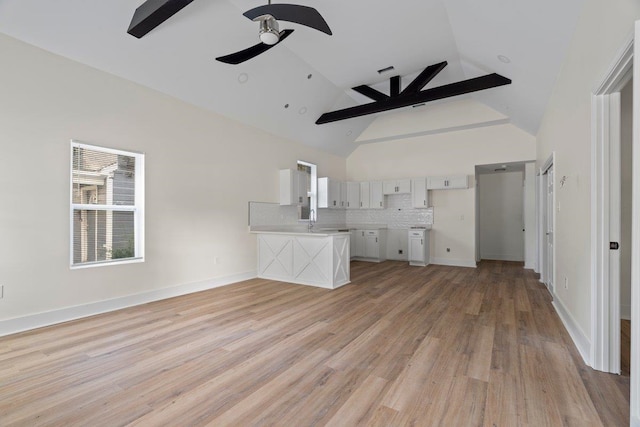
x=352, y=243
x=353, y=195
x=416, y=249
x=419, y=193
x=365, y=195
x=343, y=195
x=290, y=183
x=403, y=186
x=457, y=181
x=377, y=195
x=334, y=194
x=359, y=244
x=372, y=246
x=436, y=183
x=389, y=187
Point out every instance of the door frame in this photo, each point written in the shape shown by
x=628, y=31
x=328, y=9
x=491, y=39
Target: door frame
x=545, y=275
x=605, y=146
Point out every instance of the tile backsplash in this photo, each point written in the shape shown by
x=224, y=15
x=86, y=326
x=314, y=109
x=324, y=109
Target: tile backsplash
x=399, y=214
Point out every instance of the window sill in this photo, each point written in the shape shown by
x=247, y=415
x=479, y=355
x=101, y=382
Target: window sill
x=106, y=263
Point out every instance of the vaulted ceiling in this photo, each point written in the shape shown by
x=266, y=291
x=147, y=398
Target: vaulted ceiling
x=285, y=90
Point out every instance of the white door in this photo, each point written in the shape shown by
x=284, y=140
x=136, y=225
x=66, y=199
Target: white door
x=549, y=233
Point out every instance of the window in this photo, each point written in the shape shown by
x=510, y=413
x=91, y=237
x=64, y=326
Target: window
x=107, y=201
x=311, y=203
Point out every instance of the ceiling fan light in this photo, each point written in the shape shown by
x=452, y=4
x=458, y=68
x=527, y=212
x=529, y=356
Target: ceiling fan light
x=269, y=31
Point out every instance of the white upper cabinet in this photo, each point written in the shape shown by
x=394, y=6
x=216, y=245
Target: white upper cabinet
x=293, y=187
x=397, y=186
x=449, y=182
x=365, y=195
x=419, y=193
x=329, y=193
x=376, y=195
x=353, y=195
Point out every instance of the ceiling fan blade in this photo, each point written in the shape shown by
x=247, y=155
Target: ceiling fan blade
x=152, y=13
x=252, y=52
x=303, y=15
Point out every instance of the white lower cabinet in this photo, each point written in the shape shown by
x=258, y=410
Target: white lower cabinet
x=369, y=245
x=418, y=247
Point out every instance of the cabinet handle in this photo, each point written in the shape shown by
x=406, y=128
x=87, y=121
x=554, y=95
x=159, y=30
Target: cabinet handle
x=421, y=242
x=380, y=204
x=376, y=240
x=363, y=234
x=424, y=203
x=360, y=204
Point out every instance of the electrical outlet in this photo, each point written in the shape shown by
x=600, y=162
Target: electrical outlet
x=400, y=251
x=216, y=260
x=566, y=283
x=448, y=249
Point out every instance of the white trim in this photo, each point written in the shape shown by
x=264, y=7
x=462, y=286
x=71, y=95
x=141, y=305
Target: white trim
x=625, y=311
x=80, y=144
x=453, y=262
x=634, y=400
x=577, y=335
x=39, y=320
x=605, y=307
x=504, y=257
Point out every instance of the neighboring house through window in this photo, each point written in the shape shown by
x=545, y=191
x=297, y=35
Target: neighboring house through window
x=107, y=200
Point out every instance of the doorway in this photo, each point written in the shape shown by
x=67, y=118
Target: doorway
x=505, y=212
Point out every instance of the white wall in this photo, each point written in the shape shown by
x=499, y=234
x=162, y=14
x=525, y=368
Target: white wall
x=441, y=154
x=201, y=171
x=626, y=169
x=501, y=216
x=602, y=30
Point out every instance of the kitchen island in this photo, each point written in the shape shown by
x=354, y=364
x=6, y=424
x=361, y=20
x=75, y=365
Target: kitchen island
x=316, y=258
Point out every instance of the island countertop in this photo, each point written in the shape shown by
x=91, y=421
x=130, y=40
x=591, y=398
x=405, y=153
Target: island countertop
x=307, y=258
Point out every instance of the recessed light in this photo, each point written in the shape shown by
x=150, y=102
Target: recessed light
x=243, y=78
x=286, y=105
x=504, y=59
x=302, y=110
x=349, y=133
x=309, y=76
x=384, y=70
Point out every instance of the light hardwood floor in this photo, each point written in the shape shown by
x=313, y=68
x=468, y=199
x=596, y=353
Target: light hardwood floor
x=399, y=346
x=625, y=344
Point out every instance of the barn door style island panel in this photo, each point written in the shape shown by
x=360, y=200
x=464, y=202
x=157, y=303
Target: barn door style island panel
x=307, y=258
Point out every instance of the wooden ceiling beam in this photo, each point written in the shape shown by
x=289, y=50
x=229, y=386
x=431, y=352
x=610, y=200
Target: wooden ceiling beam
x=407, y=99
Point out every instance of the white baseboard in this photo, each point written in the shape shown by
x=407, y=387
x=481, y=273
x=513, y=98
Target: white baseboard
x=582, y=343
x=502, y=257
x=453, y=262
x=635, y=422
x=625, y=311
x=39, y=320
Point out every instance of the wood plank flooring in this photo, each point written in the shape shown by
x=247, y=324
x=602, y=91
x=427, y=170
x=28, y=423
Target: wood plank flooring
x=400, y=346
x=625, y=343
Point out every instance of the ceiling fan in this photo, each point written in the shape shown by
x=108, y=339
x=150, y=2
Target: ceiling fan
x=152, y=13
x=270, y=35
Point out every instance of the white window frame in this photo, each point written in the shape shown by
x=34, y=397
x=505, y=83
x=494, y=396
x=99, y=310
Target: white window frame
x=313, y=194
x=137, y=207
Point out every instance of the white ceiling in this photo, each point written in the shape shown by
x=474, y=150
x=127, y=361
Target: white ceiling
x=177, y=58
